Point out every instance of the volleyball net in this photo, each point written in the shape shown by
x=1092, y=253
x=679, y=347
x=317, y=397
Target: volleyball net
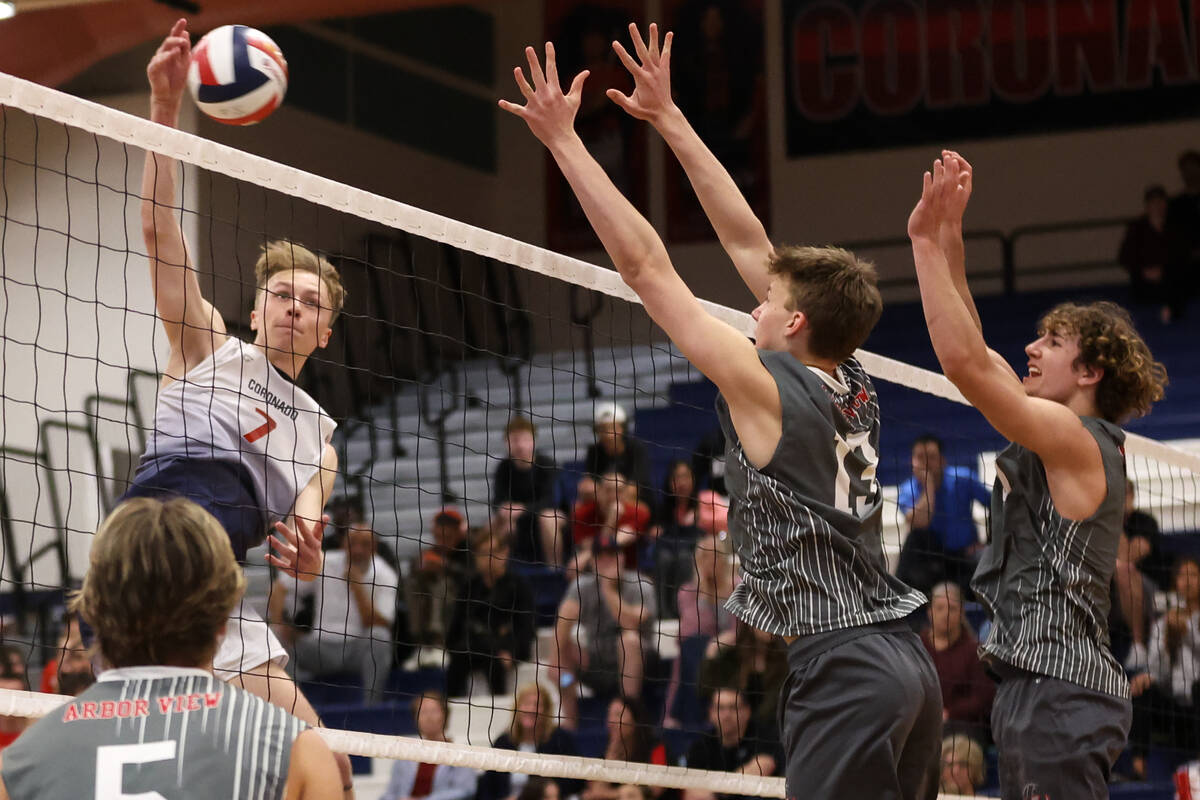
x=501, y=409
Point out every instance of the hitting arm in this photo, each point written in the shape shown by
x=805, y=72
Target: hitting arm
x=193, y=326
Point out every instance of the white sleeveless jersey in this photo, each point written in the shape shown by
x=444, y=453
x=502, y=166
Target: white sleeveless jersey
x=237, y=407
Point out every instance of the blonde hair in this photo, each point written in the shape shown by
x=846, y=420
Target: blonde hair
x=544, y=726
x=836, y=291
x=1133, y=381
x=961, y=747
x=282, y=255
x=161, y=583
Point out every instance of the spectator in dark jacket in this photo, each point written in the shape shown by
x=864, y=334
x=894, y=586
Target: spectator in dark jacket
x=1183, y=235
x=532, y=730
x=523, y=495
x=967, y=691
x=493, y=623
x=1145, y=252
x=737, y=743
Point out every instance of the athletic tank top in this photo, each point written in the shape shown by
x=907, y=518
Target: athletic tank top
x=165, y=731
x=1045, y=579
x=807, y=527
x=236, y=407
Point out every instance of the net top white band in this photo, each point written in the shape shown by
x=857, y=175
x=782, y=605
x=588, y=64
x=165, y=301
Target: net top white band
x=35, y=704
x=197, y=151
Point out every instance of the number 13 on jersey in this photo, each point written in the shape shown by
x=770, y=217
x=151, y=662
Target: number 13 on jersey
x=855, y=481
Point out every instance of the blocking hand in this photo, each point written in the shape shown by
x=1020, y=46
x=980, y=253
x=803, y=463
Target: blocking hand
x=299, y=550
x=957, y=190
x=652, y=76
x=168, y=67
x=548, y=112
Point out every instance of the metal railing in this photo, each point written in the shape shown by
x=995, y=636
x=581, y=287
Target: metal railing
x=1011, y=268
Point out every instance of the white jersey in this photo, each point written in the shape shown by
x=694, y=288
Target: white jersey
x=237, y=407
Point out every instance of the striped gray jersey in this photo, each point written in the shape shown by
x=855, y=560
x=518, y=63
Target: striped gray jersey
x=169, y=732
x=1045, y=579
x=807, y=525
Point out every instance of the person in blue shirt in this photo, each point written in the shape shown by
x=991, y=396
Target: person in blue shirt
x=942, y=543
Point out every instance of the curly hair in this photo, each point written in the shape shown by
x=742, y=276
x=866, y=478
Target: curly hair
x=161, y=584
x=1133, y=381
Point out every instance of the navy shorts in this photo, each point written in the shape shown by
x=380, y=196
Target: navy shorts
x=223, y=489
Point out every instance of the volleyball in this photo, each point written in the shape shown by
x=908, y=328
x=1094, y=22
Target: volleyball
x=238, y=76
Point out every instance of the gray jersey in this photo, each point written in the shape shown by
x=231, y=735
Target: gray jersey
x=807, y=527
x=155, y=732
x=1045, y=579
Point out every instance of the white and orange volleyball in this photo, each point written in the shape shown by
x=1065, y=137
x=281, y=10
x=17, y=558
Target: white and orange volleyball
x=238, y=75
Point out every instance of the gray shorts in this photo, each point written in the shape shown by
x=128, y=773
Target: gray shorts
x=1055, y=738
x=861, y=716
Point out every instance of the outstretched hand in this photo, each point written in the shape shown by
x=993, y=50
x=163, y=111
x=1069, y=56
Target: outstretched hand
x=652, y=76
x=299, y=550
x=548, y=112
x=944, y=194
x=957, y=190
x=168, y=68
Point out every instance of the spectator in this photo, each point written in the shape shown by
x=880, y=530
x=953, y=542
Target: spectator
x=963, y=770
x=942, y=542
x=1183, y=235
x=615, y=512
x=967, y=691
x=432, y=588
x=412, y=780
x=629, y=739
x=1131, y=611
x=737, y=743
x=69, y=670
x=1144, y=252
x=615, y=449
x=538, y=789
x=673, y=533
x=634, y=791
x=523, y=494
x=11, y=678
x=354, y=605
x=702, y=615
x=602, y=632
x=1145, y=542
x=493, y=623
x=532, y=730
x=1167, y=700
x=73, y=669
x=753, y=661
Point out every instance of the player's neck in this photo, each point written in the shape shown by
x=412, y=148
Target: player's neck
x=1083, y=404
x=286, y=361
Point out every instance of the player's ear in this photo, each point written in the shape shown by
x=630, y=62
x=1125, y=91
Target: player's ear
x=796, y=323
x=1090, y=375
x=254, y=318
x=324, y=340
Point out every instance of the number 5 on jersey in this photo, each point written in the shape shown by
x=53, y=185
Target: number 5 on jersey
x=110, y=767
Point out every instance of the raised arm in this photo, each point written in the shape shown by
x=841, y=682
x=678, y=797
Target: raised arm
x=950, y=234
x=723, y=354
x=194, y=328
x=1048, y=428
x=741, y=233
